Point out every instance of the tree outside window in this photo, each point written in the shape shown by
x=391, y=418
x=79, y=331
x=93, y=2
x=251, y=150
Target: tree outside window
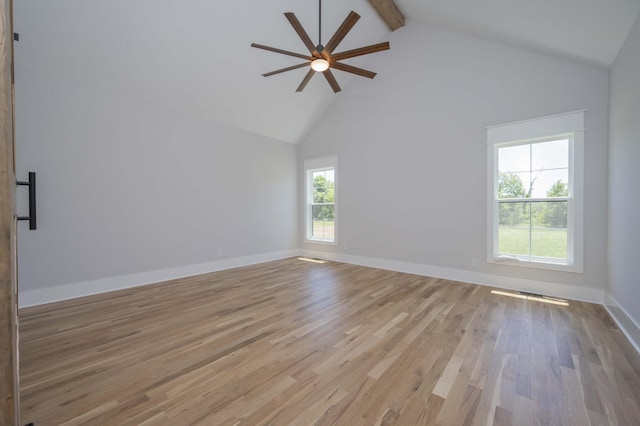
x=320, y=200
x=535, y=215
x=323, y=206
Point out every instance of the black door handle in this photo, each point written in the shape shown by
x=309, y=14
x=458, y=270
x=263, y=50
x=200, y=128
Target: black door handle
x=32, y=200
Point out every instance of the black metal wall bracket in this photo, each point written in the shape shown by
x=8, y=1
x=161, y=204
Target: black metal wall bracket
x=32, y=200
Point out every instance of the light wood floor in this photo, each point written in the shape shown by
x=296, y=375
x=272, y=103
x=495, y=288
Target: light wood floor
x=292, y=342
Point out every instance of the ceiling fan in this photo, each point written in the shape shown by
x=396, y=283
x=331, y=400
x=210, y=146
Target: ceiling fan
x=322, y=58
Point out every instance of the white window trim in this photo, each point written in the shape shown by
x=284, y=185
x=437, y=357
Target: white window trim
x=310, y=166
x=569, y=124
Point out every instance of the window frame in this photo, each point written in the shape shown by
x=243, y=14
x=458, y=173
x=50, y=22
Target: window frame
x=562, y=126
x=318, y=165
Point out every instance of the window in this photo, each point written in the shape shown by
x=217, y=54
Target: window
x=320, y=196
x=535, y=192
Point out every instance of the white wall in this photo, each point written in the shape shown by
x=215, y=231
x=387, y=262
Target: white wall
x=624, y=180
x=126, y=187
x=411, y=147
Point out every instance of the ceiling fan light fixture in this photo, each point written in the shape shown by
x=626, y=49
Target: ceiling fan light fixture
x=319, y=65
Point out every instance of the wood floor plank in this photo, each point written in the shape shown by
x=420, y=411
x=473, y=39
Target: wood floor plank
x=293, y=342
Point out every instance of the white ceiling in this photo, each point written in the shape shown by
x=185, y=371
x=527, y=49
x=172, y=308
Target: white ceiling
x=590, y=31
x=194, y=56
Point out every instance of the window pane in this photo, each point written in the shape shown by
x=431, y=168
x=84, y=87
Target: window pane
x=323, y=187
x=319, y=195
x=513, y=159
x=549, y=231
x=513, y=185
x=551, y=214
x=514, y=228
x=323, y=212
x=533, y=229
x=514, y=214
x=550, y=155
x=329, y=175
x=323, y=222
x=550, y=183
x=320, y=199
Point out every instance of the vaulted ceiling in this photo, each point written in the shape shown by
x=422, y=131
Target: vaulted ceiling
x=194, y=56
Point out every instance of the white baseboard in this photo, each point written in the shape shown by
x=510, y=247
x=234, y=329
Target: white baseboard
x=625, y=322
x=629, y=327
x=564, y=291
x=88, y=288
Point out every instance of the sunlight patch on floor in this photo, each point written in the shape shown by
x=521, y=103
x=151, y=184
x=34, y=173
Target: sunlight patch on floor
x=552, y=301
x=308, y=259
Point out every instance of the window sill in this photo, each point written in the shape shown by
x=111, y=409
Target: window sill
x=321, y=242
x=536, y=264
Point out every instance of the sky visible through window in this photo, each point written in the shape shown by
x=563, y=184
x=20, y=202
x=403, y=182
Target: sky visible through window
x=327, y=174
x=542, y=163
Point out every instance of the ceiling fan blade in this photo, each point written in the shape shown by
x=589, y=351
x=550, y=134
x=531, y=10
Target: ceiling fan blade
x=305, y=80
x=294, y=67
x=340, y=34
x=361, y=51
x=332, y=81
x=302, y=33
x=284, y=52
x=352, y=70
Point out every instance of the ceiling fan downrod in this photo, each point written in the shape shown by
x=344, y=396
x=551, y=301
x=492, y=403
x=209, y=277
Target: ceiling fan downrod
x=319, y=64
x=319, y=24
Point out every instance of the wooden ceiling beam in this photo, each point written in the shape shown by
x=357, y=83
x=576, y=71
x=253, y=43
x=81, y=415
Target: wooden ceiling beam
x=389, y=11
